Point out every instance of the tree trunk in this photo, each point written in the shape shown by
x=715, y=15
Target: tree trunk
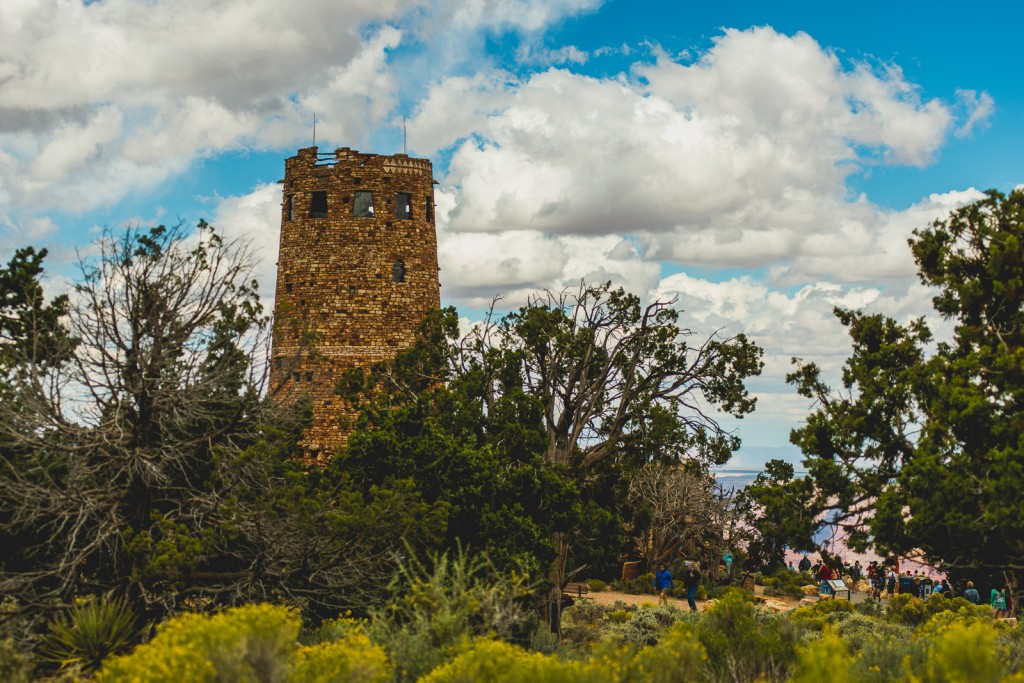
x=556, y=574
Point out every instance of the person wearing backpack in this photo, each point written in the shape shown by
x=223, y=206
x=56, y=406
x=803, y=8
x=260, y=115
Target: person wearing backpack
x=691, y=580
x=824, y=576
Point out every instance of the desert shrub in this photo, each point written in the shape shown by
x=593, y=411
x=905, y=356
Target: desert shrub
x=14, y=665
x=826, y=659
x=816, y=616
x=597, y=585
x=254, y=642
x=883, y=659
x=787, y=583
x=959, y=652
x=585, y=612
x=972, y=614
x=879, y=647
x=744, y=643
x=715, y=592
x=331, y=630
x=645, y=625
x=858, y=631
x=869, y=608
x=434, y=609
x=643, y=584
x=349, y=659
x=785, y=590
x=619, y=616
x=498, y=662
x=89, y=633
x=957, y=607
x=1010, y=642
x=677, y=658
x=906, y=609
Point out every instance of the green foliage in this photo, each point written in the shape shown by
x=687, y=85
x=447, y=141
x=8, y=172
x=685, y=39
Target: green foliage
x=255, y=642
x=32, y=335
x=678, y=657
x=906, y=609
x=14, y=665
x=786, y=583
x=597, y=585
x=743, y=642
x=931, y=434
x=640, y=585
x=819, y=614
x=960, y=653
x=483, y=466
x=528, y=426
x=643, y=626
x=89, y=633
x=434, y=609
x=827, y=659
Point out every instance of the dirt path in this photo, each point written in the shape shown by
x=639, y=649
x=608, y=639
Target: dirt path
x=609, y=598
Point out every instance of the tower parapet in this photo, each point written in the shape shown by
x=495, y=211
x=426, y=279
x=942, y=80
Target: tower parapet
x=357, y=273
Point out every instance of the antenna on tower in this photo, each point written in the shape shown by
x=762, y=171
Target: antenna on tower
x=314, y=129
x=405, y=138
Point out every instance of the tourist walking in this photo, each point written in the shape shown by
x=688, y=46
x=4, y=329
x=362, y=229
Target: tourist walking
x=998, y=602
x=971, y=594
x=691, y=580
x=824, y=576
x=663, y=584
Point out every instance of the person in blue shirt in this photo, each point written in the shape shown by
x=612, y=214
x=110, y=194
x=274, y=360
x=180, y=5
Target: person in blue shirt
x=663, y=584
x=971, y=594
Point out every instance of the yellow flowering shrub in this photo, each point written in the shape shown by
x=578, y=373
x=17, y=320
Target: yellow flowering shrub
x=677, y=658
x=353, y=659
x=498, y=662
x=827, y=659
x=254, y=642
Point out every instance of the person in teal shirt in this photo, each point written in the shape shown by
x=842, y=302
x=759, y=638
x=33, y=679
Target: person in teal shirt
x=998, y=602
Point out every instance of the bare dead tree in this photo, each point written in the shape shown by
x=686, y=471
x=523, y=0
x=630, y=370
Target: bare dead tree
x=677, y=510
x=142, y=458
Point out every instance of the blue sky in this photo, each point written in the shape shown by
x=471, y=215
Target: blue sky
x=761, y=162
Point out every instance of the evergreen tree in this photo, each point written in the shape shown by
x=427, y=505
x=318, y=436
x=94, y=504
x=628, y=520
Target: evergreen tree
x=923, y=450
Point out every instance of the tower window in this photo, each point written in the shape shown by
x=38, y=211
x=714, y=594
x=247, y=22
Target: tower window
x=362, y=204
x=403, y=206
x=297, y=376
x=288, y=287
x=289, y=207
x=309, y=376
x=318, y=204
x=398, y=272
x=430, y=210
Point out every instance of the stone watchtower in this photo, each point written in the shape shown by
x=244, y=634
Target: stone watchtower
x=356, y=275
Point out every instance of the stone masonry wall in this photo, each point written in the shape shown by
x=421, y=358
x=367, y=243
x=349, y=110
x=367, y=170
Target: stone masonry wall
x=351, y=290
